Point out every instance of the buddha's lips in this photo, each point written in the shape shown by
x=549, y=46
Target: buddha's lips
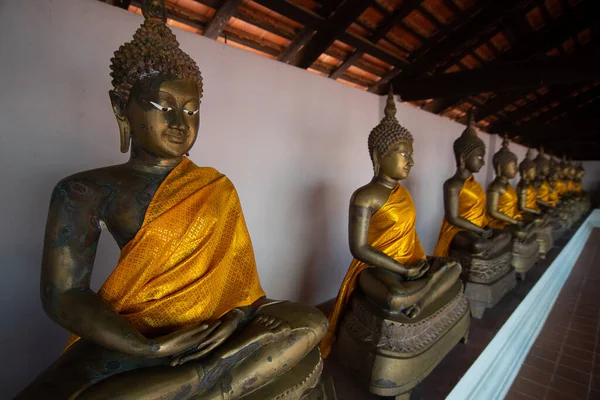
x=176, y=138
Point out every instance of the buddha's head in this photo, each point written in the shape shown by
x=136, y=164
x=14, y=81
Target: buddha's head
x=579, y=171
x=572, y=169
x=505, y=161
x=391, y=145
x=157, y=89
x=543, y=164
x=469, y=149
x=565, y=168
x=527, y=168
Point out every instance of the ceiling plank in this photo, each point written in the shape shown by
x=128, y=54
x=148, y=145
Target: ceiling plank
x=502, y=78
x=215, y=27
x=337, y=23
x=392, y=20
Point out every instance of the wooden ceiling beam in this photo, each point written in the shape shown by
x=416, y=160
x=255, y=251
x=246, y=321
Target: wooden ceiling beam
x=555, y=32
x=503, y=78
x=391, y=21
x=337, y=23
x=221, y=18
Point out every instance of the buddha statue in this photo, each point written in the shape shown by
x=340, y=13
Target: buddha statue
x=578, y=188
x=556, y=198
x=528, y=204
x=547, y=198
x=483, y=252
x=397, y=313
x=503, y=210
x=183, y=314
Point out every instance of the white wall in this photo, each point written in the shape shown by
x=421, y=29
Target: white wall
x=293, y=143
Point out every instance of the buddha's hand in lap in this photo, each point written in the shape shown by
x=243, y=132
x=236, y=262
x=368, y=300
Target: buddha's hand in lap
x=218, y=332
x=417, y=269
x=487, y=233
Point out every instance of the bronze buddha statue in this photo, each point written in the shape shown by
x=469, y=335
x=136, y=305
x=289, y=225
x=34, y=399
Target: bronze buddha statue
x=483, y=252
x=503, y=210
x=547, y=198
x=183, y=314
x=528, y=204
x=397, y=313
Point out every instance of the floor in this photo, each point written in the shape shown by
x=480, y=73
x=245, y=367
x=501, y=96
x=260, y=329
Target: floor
x=445, y=376
x=564, y=362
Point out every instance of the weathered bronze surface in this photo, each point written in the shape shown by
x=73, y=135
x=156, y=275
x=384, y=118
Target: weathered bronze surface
x=231, y=341
x=484, y=252
x=529, y=204
x=502, y=207
x=397, y=313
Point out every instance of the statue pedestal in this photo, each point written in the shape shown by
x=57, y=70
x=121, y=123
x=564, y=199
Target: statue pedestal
x=487, y=279
x=545, y=240
x=391, y=353
x=487, y=295
x=301, y=382
x=524, y=255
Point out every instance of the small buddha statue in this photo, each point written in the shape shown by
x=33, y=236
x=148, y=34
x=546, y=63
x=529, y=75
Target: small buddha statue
x=578, y=188
x=547, y=198
x=503, y=210
x=183, y=313
x=483, y=252
x=528, y=204
x=391, y=285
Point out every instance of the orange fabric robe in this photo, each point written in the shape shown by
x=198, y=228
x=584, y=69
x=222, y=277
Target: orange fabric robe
x=392, y=231
x=531, y=198
x=554, y=196
x=192, y=259
x=508, y=204
x=577, y=186
x=544, y=193
x=560, y=187
x=471, y=207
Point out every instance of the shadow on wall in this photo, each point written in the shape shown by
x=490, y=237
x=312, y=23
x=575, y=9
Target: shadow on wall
x=315, y=265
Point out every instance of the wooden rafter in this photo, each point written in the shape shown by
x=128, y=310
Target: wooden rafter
x=391, y=21
x=341, y=19
x=502, y=78
x=221, y=18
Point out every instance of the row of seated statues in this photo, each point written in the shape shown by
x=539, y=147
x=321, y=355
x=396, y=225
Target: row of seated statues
x=183, y=314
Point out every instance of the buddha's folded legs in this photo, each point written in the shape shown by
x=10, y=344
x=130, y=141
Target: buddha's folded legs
x=280, y=335
x=471, y=242
x=443, y=277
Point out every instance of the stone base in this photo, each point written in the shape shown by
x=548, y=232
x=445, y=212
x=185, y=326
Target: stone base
x=524, y=255
x=391, y=354
x=482, y=296
x=301, y=382
x=545, y=240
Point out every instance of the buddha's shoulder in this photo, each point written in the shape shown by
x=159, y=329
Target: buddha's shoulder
x=454, y=183
x=370, y=195
x=497, y=186
x=89, y=186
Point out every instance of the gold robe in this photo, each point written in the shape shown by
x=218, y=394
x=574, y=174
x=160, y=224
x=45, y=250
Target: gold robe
x=577, y=186
x=192, y=259
x=392, y=231
x=560, y=187
x=570, y=185
x=544, y=193
x=531, y=198
x=554, y=196
x=471, y=207
x=508, y=204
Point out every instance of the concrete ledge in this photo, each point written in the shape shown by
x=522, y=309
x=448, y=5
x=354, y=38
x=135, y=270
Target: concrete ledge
x=492, y=374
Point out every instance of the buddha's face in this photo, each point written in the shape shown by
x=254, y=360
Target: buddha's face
x=162, y=115
x=580, y=174
x=398, y=161
x=572, y=172
x=529, y=174
x=474, y=162
x=544, y=170
x=509, y=170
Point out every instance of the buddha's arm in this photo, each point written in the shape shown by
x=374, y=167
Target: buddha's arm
x=543, y=203
x=71, y=239
x=523, y=200
x=358, y=231
x=492, y=208
x=451, y=207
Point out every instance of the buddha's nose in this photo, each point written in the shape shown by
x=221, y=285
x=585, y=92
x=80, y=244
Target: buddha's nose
x=178, y=122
